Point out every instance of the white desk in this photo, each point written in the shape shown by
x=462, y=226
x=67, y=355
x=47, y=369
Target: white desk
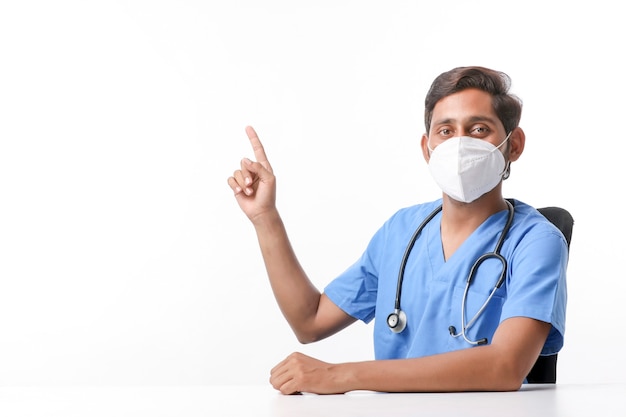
x=259, y=401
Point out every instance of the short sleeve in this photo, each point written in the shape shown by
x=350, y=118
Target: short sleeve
x=537, y=284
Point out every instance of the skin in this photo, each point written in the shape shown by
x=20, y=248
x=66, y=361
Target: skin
x=500, y=366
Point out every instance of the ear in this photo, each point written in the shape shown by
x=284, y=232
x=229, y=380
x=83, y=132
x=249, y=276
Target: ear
x=425, y=150
x=516, y=144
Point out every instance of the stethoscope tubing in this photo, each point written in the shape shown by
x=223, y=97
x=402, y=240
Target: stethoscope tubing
x=407, y=252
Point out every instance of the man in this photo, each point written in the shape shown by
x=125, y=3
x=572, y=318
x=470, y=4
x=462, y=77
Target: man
x=462, y=320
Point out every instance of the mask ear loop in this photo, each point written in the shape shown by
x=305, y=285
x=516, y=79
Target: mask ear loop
x=428, y=146
x=507, y=169
x=505, y=139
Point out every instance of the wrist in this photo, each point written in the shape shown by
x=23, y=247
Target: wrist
x=266, y=220
x=346, y=376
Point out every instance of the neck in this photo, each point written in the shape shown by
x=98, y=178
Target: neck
x=483, y=207
x=459, y=220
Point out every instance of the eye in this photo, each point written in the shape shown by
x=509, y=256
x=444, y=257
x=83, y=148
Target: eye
x=480, y=131
x=444, y=132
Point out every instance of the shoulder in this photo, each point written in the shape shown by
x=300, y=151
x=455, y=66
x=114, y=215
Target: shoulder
x=531, y=217
x=530, y=225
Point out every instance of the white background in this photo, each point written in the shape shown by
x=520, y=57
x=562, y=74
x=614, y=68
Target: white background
x=124, y=258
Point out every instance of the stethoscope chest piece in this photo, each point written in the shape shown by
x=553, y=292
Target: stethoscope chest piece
x=396, y=321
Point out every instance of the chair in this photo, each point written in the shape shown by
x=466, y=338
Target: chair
x=544, y=370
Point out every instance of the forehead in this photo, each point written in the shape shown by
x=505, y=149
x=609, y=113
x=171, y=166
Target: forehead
x=466, y=105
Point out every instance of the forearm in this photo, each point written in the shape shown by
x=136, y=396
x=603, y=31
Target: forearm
x=501, y=366
x=474, y=369
x=297, y=297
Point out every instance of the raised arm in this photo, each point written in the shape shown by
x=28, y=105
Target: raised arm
x=311, y=315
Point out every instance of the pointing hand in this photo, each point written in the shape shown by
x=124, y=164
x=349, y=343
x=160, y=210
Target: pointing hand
x=254, y=184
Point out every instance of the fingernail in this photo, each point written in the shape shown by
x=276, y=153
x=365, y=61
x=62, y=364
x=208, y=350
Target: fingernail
x=248, y=190
x=237, y=190
x=247, y=161
x=248, y=181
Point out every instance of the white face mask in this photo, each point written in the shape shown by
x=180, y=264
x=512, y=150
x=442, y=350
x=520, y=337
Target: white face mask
x=466, y=168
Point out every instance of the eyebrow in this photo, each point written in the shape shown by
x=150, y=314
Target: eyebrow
x=472, y=119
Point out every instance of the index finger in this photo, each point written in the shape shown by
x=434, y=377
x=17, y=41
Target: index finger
x=259, y=151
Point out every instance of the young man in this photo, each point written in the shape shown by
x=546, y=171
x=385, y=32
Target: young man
x=467, y=291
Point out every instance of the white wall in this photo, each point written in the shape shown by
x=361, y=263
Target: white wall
x=124, y=258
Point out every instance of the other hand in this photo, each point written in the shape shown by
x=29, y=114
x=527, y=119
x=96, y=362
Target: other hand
x=301, y=373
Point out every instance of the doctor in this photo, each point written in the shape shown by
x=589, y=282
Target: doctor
x=446, y=320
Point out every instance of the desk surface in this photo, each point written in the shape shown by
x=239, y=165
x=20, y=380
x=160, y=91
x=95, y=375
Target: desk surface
x=257, y=401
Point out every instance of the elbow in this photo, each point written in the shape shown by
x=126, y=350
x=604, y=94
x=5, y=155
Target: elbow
x=510, y=383
x=306, y=338
x=506, y=381
x=310, y=334
x=305, y=335
x=509, y=376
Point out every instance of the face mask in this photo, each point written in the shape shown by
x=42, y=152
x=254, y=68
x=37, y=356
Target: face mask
x=466, y=168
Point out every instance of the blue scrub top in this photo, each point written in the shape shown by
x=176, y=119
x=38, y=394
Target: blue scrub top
x=432, y=289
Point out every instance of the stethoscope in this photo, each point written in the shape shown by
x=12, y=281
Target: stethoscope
x=397, y=320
